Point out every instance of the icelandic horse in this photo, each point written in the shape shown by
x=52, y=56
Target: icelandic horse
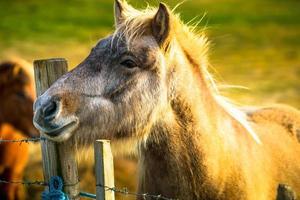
x=147, y=88
x=16, y=99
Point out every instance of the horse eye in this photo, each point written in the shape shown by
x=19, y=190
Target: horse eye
x=128, y=63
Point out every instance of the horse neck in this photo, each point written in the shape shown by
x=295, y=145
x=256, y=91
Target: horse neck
x=193, y=103
x=189, y=132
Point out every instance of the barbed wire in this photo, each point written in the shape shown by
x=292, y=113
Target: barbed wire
x=25, y=140
x=27, y=183
x=42, y=183
x=125, y=191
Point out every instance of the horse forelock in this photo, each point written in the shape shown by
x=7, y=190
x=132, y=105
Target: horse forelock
x=135, y=24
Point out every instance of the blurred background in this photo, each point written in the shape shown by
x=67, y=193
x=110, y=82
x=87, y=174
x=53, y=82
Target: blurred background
x=254, y=44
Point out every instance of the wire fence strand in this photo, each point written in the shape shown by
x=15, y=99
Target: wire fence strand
x=123, y=191
x=25, y=140
x=27, y=183
x=145, y=196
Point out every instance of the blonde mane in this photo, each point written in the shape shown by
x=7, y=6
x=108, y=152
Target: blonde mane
x=137, y=23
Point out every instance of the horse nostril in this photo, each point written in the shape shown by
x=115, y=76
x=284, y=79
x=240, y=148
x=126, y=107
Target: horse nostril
x=50, y=110
x=46, y=111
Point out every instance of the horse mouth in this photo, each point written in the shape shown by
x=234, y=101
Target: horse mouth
x=60, y=131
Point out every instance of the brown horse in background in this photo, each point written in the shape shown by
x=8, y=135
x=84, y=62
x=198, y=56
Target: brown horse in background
x=147, y=88
x=16, y=100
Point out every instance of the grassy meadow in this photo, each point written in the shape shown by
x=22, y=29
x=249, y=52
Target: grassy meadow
x=254, y=44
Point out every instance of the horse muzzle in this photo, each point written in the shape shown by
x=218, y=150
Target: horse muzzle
x=48, y=117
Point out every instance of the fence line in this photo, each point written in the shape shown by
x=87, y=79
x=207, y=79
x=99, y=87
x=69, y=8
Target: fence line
x=25, y=140
x=123, y=191
x=143, y=195
x=28, y=183
x=40, y=183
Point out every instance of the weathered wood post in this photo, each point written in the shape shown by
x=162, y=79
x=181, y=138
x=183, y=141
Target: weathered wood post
x=104, y=167
x=58, y=158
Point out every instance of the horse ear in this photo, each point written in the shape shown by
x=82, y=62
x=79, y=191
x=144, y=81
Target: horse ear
x=20, y=74
x=119, y=12
x=17, y=70
x=161, y=24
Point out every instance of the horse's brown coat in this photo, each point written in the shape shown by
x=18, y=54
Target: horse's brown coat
x=16, y=100
x=13, y=160
x=190, y=142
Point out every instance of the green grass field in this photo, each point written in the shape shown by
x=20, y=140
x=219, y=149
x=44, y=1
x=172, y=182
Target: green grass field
x=254, y=43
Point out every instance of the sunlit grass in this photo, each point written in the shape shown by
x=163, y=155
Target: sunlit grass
x=254, y=43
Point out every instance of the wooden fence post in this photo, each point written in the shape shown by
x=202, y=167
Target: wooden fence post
x=285, y=192
x=104, y=170
x=58, y=158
